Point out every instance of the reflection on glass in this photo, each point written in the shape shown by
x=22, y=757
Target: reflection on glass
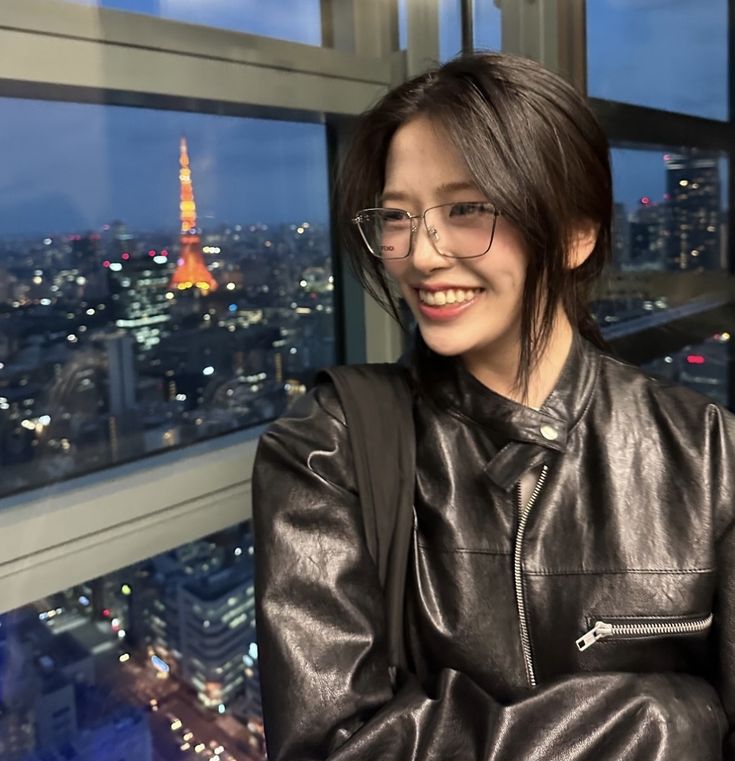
x=155, y=661
x=154, y=290
x=704, y=367
x=295, y=20
x=670, y=210
x=486, y=24
x=667, y=55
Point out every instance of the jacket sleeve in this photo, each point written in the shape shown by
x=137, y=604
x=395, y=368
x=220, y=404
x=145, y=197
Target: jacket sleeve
x=321, y=639
x=722, y=475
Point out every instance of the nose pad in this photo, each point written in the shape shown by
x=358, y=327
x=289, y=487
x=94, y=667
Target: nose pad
x=434, y=233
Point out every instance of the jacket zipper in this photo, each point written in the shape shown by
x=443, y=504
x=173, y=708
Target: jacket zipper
x=523, y=513
x=604, y=630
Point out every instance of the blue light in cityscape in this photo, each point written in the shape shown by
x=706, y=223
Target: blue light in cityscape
x=160, y=664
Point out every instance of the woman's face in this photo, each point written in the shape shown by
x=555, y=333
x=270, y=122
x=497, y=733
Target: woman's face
x=423, y=169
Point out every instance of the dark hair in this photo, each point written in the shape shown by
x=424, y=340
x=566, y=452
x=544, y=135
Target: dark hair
x=536, y=150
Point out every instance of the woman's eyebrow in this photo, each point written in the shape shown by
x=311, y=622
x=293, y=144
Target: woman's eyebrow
x=453, y=187
x=441, y=190
x=393, y=195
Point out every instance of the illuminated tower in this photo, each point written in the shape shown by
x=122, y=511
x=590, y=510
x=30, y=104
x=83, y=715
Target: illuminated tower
x=191, y=271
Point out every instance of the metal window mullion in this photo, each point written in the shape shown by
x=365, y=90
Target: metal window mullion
x=468, y=26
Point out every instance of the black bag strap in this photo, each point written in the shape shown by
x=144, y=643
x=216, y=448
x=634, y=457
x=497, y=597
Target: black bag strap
x=378, y=404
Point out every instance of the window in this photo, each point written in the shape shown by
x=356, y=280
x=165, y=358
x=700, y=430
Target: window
x=670, y=210
x=670, y=56
x=166, y=278
x=450, y=27
x=669, y=216
x=295, y=20
x=486, y=24
x=92, y=656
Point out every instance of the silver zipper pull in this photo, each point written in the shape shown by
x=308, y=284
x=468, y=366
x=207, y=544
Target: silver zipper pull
x=597, y=632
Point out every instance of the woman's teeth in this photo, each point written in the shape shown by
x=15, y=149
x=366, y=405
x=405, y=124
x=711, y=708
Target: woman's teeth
x=448, y=297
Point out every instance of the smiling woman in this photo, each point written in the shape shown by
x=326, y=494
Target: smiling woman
x=443, y=142
x=569, y=584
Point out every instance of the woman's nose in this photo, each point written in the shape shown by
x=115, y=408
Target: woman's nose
x=425, y=255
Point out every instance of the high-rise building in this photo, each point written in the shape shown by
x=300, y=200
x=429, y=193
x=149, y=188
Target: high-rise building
x=217, y=626
x=121, y=373
x=620, y=235
x=139, y=288
x=191, y=271
x=155, y=609
x=197, y=615
x=693, y=190
x=648, y=230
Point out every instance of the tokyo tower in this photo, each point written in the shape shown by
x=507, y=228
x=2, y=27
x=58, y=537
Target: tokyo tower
x=191, y=272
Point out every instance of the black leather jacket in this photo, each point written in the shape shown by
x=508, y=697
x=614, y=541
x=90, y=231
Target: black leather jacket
x=628, y=521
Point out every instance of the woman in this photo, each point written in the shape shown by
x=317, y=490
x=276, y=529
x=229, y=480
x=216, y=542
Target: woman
x=570, y=587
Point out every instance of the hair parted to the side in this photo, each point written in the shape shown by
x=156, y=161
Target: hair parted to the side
x=533, y=147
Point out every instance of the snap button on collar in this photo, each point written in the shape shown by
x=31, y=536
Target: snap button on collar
x=549, y=432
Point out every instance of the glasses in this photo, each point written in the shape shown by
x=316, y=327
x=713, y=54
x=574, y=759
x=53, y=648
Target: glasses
x=461, y=230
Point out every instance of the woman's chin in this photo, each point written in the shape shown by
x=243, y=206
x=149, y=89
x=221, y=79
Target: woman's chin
x=446, y=345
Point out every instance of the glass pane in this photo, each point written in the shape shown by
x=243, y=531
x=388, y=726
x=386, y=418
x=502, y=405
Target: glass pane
x=402, y=24
x=450, y=29
x=155, y=289
x=153, y=662
x=704, y=367
x=295, y=20
x=667, y=55
x=670, y=210
x=486, y=23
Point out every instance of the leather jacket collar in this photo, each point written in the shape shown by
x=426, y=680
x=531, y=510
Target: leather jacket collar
x=534, y=436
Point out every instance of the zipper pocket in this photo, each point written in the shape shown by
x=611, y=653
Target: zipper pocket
x=605, y=630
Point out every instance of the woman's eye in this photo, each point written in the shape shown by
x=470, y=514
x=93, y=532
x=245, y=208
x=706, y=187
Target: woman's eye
x=465, y=209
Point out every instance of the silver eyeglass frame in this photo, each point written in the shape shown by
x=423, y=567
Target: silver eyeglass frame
x=430, y=231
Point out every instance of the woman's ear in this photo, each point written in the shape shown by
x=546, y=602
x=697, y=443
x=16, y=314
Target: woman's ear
x=582, y=244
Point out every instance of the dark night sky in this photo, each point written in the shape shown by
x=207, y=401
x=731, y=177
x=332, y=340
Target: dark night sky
x=69, y=167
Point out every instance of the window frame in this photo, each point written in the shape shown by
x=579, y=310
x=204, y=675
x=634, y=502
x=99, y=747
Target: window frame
x=72, y=531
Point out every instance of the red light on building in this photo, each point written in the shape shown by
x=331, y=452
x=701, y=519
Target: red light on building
x=126, y=256
x=106, y=613
x=645, y=201
x=695, y=359
x=106, y=263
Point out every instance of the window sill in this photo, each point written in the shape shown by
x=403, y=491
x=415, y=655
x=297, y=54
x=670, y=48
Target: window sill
x=71, y=532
